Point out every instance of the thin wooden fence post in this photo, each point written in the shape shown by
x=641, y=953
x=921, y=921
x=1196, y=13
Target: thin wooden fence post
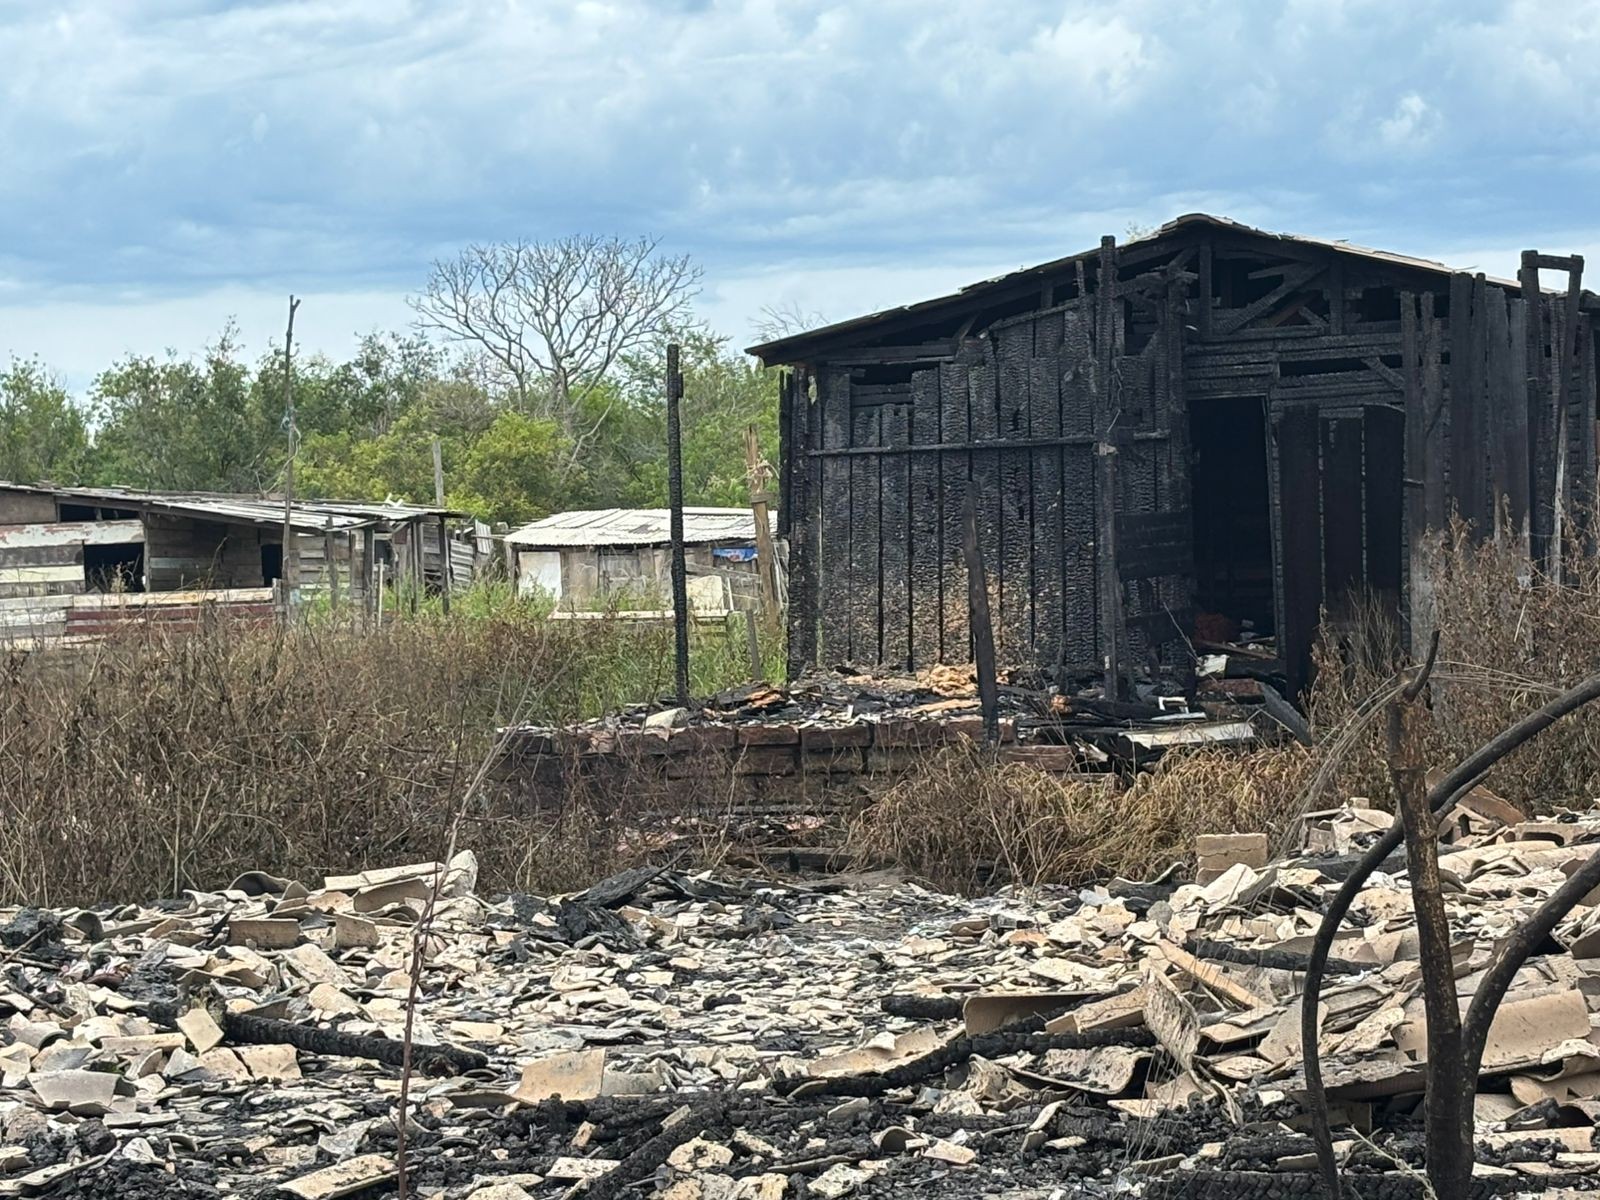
x=982, y=626
x=753, y=644
x=680, y=569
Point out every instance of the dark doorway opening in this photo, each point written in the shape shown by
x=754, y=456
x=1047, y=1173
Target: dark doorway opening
x=271, y=563
x=114, y=568
x=1232, y=520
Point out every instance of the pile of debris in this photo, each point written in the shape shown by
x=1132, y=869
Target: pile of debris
x=1038, y=722
x=701, y=1038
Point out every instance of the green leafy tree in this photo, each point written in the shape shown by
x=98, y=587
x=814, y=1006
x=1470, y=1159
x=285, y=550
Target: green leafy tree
x=723, y=393
x=183, y=424
x=516, y=471
x=43, y=434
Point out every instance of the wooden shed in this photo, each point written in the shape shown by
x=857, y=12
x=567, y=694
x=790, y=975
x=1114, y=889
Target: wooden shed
x=1210, y=427
x=75, y=560
x=595, y=557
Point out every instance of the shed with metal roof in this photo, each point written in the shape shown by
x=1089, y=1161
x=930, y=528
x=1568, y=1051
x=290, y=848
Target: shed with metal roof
x=611, y=555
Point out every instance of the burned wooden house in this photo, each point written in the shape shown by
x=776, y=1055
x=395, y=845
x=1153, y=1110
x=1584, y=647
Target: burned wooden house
x=1210, y=429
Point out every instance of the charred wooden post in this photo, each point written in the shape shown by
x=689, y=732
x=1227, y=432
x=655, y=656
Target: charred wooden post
x=982, y=627
x=1449, y=1095
x=1108, y=410
x=680, y=569
x=1441, y=796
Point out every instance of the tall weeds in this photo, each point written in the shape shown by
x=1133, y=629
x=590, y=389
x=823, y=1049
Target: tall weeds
x=1510, y=638
x=963, y=822
x=156, y=761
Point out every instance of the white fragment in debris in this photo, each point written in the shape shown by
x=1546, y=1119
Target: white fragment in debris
x=504, y=1190
x=568, y=1169
x=576, y=1076
x=313, y=965
x=342, y=1179
x=948, y=1152
x=13, y=1159
x=201, y=1029
x=841, y=1179
x=270, y=1062
x=86, y=1093
x=698, y=1154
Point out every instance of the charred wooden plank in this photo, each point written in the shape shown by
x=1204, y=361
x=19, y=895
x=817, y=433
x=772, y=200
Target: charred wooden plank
x=894, y=532
x=1080, y=588
x=924, y=600
x=955, y=472
x=1465, y=438
x=1541, y=422
x=1294, y=278
x=833, y=567
x=983, y=399
x=1301, y=501
x=1342, y=558
x=1383, y=431
x=866, y=540
x=1435, y=459
x=1113, y=632
x=1014, y=567
x=1044, y=420
x=921, y=352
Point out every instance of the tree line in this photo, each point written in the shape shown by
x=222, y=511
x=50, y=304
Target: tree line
x=537, y=365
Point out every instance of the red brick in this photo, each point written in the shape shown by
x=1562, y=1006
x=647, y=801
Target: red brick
x=970, y=729
x=847, y=760
x=767, y=760
x=832, y=737
x=702, y=738
x=906, y=731
x=768, y=735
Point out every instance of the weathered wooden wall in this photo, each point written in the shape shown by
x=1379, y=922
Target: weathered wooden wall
x=181, y=552
x=1500, y=420
x=1026, y=418
x=1391, y=398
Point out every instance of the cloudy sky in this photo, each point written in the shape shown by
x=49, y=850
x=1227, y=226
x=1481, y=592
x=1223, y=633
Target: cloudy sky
x=167, y=164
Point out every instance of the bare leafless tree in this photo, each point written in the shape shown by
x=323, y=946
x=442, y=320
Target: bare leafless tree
x=555, y=317
x=781, y=320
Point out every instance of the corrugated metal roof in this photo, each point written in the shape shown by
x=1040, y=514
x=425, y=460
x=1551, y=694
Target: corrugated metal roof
x=775, y=351
x=635, y=527
x=316, y=515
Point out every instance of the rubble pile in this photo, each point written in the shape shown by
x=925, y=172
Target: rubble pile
x=694, y=1037
x=1040, y=722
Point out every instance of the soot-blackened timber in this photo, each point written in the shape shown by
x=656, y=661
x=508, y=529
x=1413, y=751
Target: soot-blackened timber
x=1209, y=432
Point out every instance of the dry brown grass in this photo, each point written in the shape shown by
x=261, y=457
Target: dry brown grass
x=963, y=822
x=159, y=762
x=1509, y=638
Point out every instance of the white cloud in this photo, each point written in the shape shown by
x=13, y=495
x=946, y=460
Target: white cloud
x=80, y=338
x=1411, y=126
x=839, y=154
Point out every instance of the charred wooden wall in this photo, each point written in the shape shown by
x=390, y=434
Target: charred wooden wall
x=887, y=444
x=1386, y=397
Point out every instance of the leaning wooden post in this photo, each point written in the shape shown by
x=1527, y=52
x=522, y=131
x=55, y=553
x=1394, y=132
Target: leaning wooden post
x=446, y=574
x=330, y=565
x=982, y=627
x=1441, y=796
x=447, y=567
x=1447, y=1092
x=290, y=564
x=760, y=477
x=680, y=568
